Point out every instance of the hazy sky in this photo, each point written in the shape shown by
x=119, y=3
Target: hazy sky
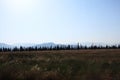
x=60, y=21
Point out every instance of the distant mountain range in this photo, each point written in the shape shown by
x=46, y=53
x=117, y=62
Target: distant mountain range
x=49, y=44
x=45, y=45
x=3, y=45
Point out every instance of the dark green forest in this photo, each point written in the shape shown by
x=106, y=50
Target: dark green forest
x=59, y=47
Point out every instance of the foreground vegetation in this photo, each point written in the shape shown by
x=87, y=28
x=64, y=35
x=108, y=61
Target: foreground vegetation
x=96, y=64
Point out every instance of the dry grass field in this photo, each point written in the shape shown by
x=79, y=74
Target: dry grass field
x=99, y=64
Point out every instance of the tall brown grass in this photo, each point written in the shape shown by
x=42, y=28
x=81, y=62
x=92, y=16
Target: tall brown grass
x=61, y=65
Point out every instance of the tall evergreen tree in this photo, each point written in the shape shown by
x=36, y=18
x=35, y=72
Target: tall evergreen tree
x=1, y=50
x=21, y=48
x=78, y=46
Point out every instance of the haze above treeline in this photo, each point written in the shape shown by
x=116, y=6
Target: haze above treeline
x=48, y=44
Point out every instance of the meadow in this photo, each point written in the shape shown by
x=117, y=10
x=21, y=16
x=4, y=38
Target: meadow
x=90, y=64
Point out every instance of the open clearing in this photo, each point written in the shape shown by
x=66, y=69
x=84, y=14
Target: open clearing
x=99, y=64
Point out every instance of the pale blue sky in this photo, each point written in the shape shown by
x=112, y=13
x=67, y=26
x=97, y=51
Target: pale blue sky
x=60, y=21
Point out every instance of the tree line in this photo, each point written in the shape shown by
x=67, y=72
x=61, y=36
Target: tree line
x=59, y=47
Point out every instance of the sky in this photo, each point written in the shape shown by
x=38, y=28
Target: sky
x=59, y=21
